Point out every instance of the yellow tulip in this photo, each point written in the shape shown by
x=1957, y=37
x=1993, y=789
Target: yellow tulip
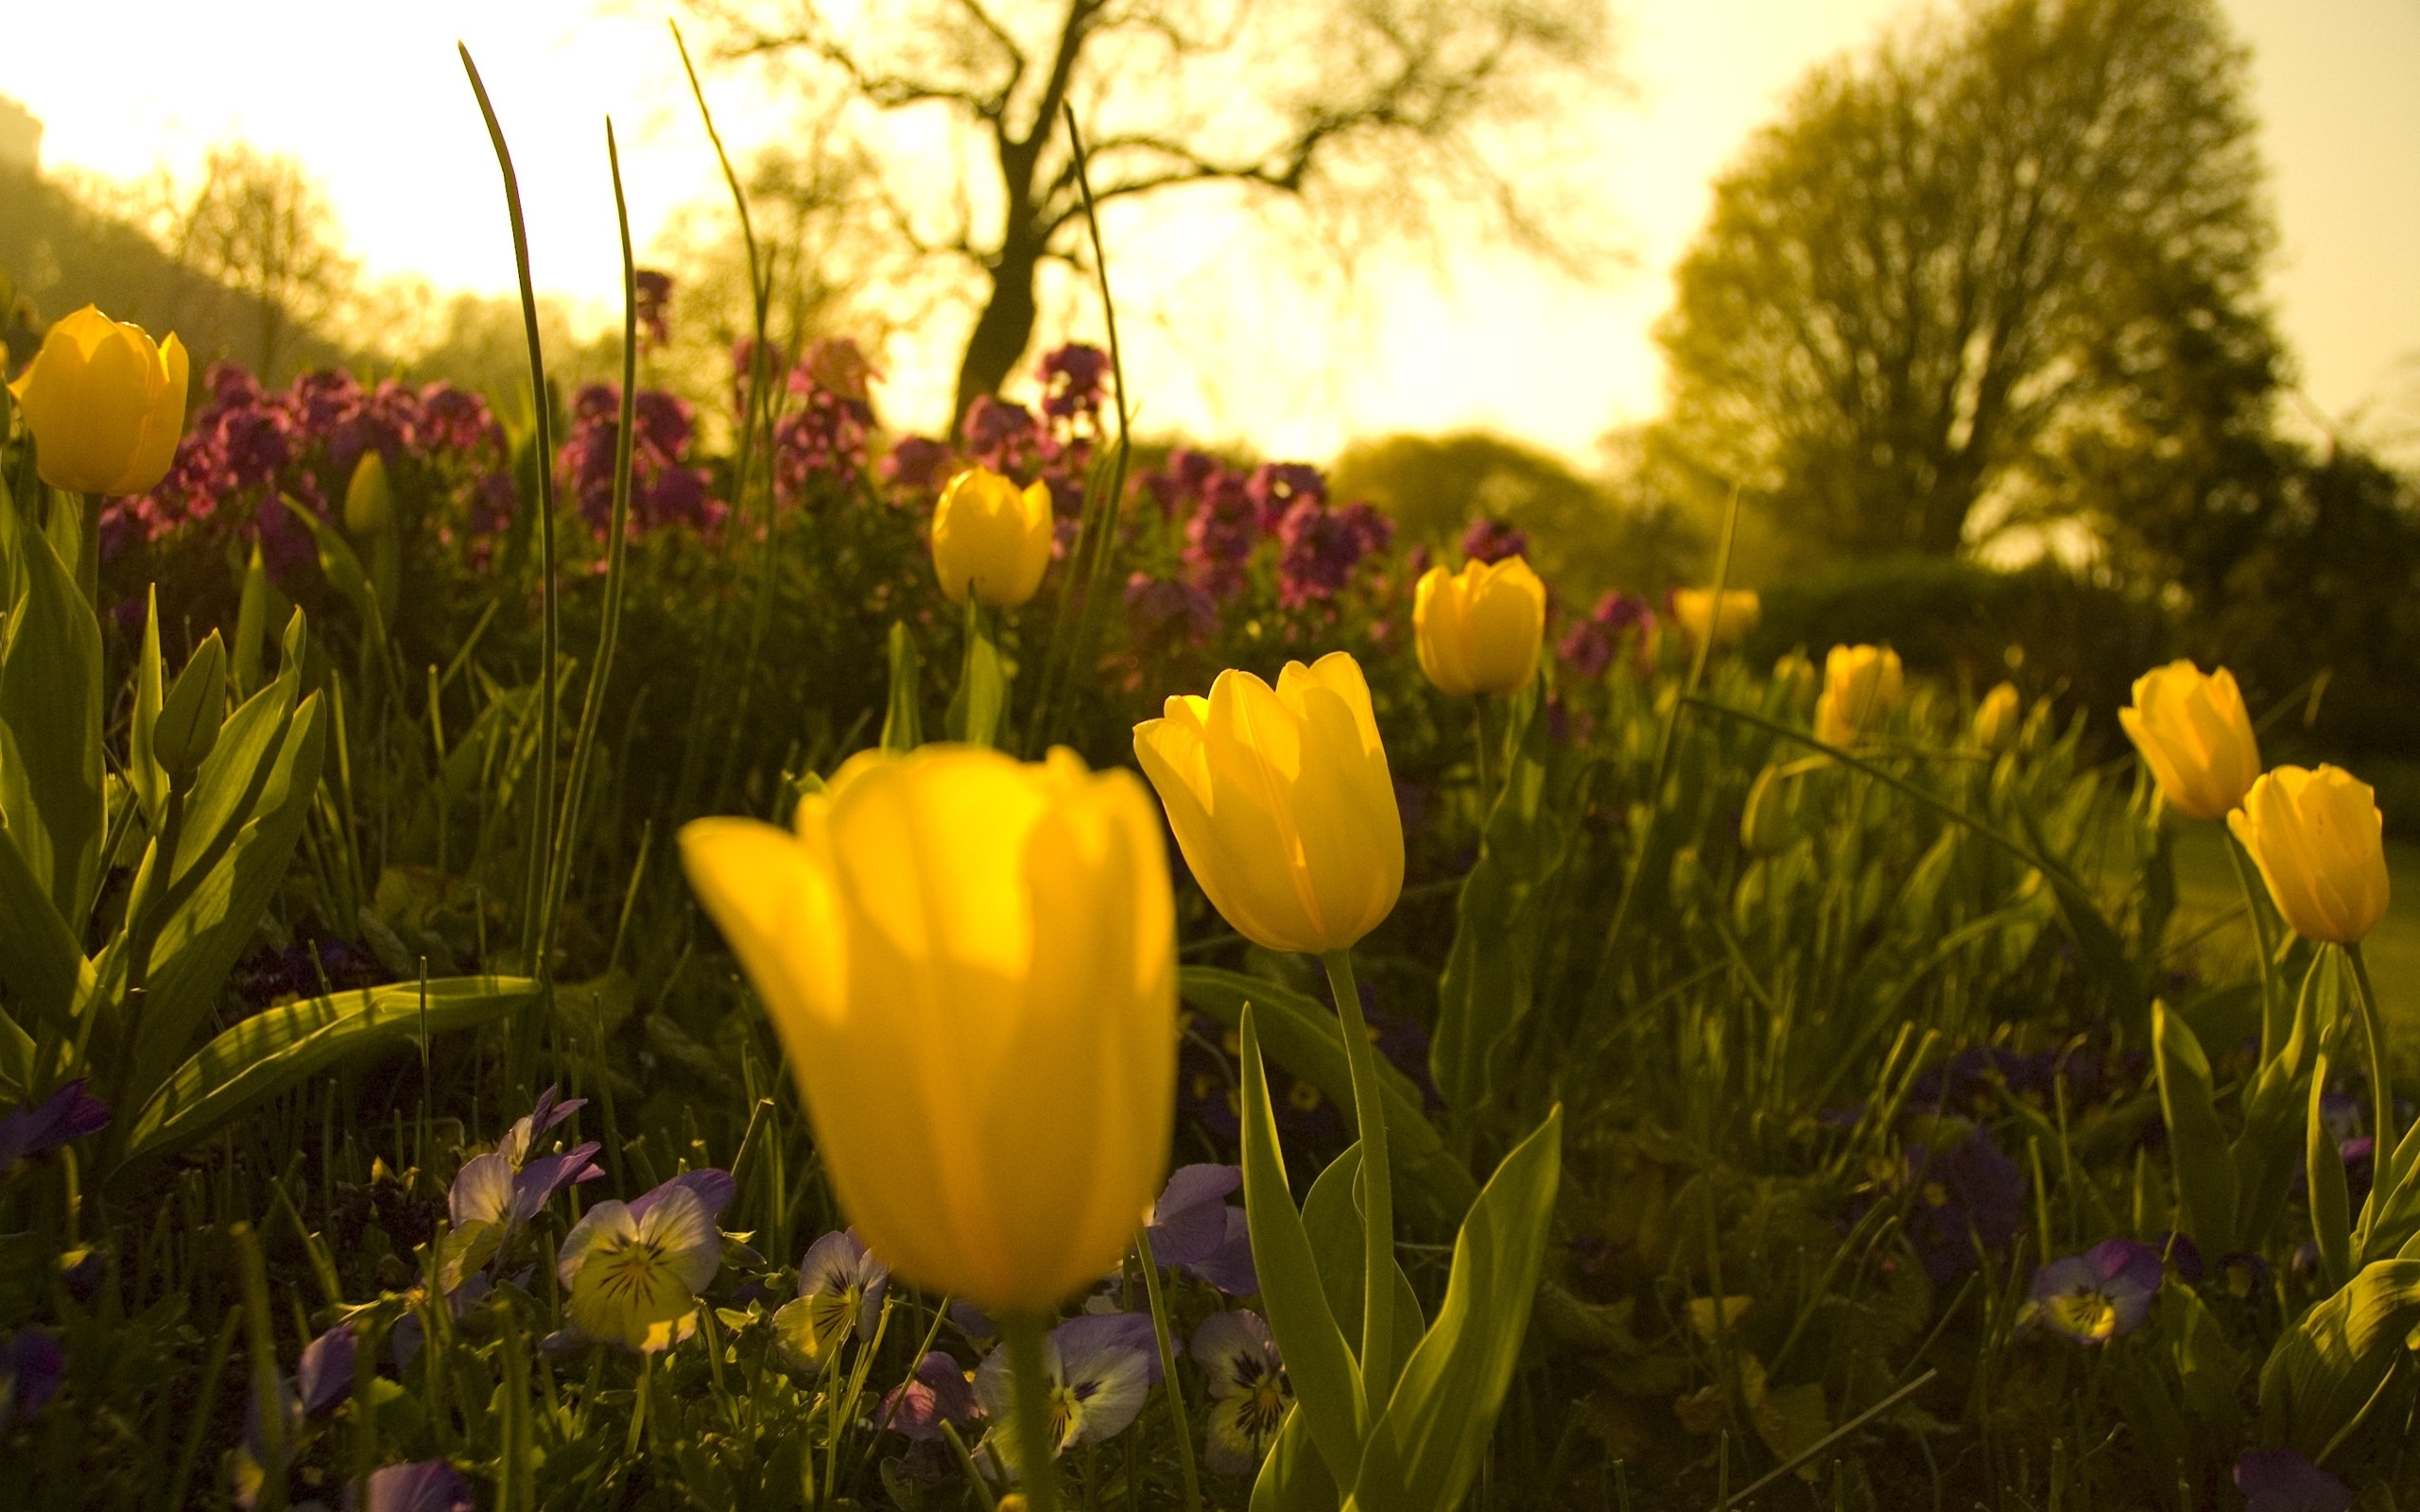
x=989, y=538
x=1861, y=685
x=1477, y=631
x=105, y=405
x=2196, y=736
x=1996, y=718
x=1281, y=802
x=971, y=962
x=2316, y=837
x=1727, y=621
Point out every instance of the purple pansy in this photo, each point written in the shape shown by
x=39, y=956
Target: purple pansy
x=1101, y=1367
x=840, y=1287
x=2279, y=1480
x=2100, y=1295
x=937, y=1393
x=1196, y=1231
x=325, y=1376
x=32, y=1364
x=69, y=1113
x=1249, y=1392
x=424, y=1485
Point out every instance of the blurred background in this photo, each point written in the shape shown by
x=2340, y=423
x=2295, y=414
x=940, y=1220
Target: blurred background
x=2081, y=325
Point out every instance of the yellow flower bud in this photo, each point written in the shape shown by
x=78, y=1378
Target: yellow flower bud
x=1281, y=802
x=1861, y=685
x=1793, y=680
x=1996, y=718
x=992, y=539
x=1478, y=632
x=105, y=405
x=971, y=962
x=369, y=498
x=1727, y=621
x=2195, y=737
x=2317, y=838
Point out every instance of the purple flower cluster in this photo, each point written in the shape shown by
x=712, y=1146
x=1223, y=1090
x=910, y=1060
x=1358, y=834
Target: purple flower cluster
x=1072, y=378
x=1969, y=1200
x=654, y=300
x=247, y=445
x=1494, y=539
x=664, y=489
x=1228, y=513
x=825, y=435
x=1587, y=647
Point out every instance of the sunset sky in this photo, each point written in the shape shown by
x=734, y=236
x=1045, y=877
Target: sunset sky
x=372, y=100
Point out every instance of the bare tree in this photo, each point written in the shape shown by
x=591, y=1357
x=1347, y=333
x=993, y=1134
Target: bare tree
x=260, y=228
x=1371, y=110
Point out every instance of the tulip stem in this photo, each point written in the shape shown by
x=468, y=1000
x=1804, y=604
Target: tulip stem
x=1177, y=1413
x=1031, y=1371
x=2382, y=1163
x=1478, y=715
x=2275, y=1017
x=1377, y=1193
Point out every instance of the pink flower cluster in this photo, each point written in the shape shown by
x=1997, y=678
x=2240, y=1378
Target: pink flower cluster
x=1587, y=647
x=247, y=445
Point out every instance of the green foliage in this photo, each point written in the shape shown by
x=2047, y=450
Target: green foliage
x=1958, y=262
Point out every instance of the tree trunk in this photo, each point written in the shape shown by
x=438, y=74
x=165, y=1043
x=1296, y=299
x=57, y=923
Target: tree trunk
x=1001, y=332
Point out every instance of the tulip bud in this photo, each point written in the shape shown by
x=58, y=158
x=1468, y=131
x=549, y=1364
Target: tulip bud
x=106, y=405
x=1996, y=718
x=1281, y=804
x=971, y=962
x=1861, y=685
x=1793, y=680
x=368, y=499
x=1768, y=823
x=991, y=540
x=1479, y=630
x=2317, y=838
x=187, y=727
x=1725, y=622
x=2196, y=736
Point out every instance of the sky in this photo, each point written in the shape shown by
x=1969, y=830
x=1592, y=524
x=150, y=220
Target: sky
x=371, y=100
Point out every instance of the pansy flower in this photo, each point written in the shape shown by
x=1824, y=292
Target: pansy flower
x=840, y=1286
x=937, y=1393
x=1248, y=1393
x=1194, y=1228
x=424, y=1485
x=69, y=1113
x=1101, y=1367
x=2279, y=1480
x=325, y=1376
x=635, y=1271
x=32, y=1364
x=2099, y=1295
x=494, y=1193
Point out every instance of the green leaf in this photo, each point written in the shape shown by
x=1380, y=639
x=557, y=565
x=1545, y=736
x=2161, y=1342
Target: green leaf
x=1304, y=1037
x=979, y=710
x=2324, y=1372
x=1326, y=1379
x=2209, y=1370
x=2205, y=1177
x=254, y=604
x=227, y=789
x=1425, y=1446
x=1292, y=1479
x=1332, y=1217
x=39, y=961
x=2331, y=1208
x=50, y=732
x=195, y=709
x=2268, y=1150
x=206, y=934
x=1500, y=917
x=341, y=567
x=903, y=724
x=143, y=771
x=273, y=1050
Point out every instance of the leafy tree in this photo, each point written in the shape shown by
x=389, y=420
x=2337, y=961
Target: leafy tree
x=258, y=226
x=1373, y=112
x=1963, y=273
x=1583, y=538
